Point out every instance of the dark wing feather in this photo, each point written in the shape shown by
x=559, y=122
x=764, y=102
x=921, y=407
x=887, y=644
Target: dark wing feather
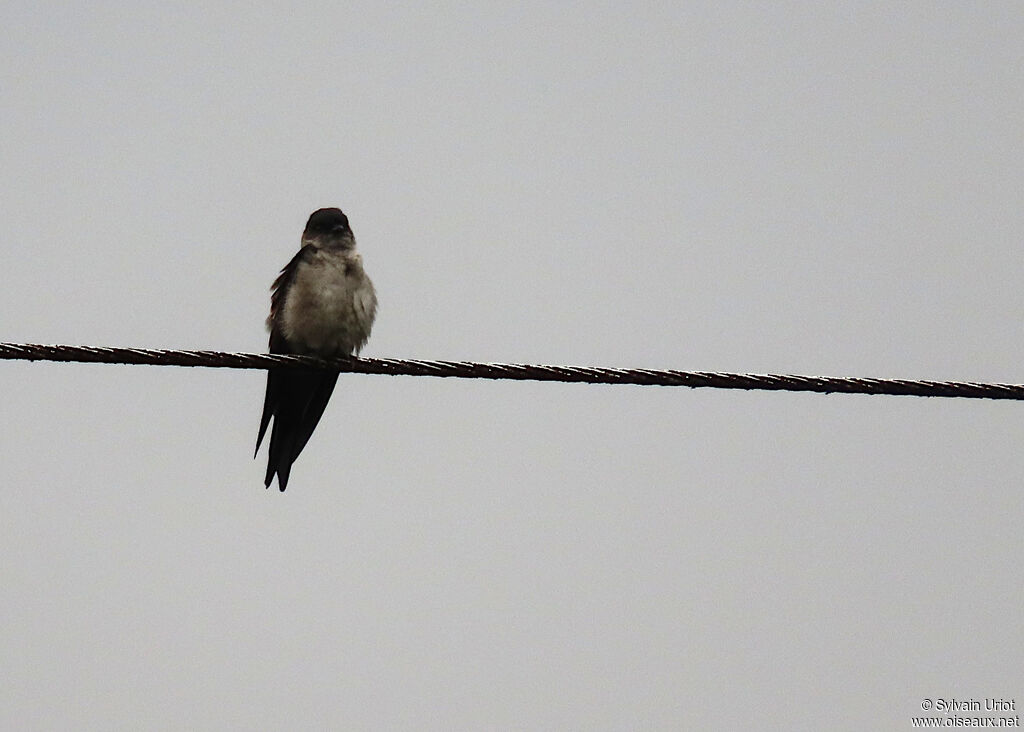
x=278, y=344
x=296, y=399
x=322, y=383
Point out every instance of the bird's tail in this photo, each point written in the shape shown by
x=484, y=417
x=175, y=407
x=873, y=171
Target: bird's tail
x=296, y=399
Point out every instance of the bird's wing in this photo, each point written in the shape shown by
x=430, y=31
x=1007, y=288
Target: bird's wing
x=278, y=343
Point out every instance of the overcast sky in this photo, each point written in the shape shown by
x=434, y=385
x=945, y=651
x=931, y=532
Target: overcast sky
x=814, y=188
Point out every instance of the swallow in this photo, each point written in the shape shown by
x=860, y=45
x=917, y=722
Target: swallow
x=321, y=304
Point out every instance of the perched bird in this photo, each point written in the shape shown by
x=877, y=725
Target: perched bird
x=322, y=304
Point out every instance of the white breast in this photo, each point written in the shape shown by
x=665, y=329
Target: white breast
x=330, y=306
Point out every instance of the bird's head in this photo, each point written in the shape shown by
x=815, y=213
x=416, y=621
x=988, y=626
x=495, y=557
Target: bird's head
x=328, y=227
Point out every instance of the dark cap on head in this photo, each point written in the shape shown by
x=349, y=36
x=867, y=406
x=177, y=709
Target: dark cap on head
x=327, y=220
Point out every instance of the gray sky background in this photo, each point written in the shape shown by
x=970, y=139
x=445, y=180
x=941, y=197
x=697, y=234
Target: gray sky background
x=817, y=188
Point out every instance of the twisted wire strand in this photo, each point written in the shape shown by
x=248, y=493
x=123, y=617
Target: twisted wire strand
x=518, y=372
